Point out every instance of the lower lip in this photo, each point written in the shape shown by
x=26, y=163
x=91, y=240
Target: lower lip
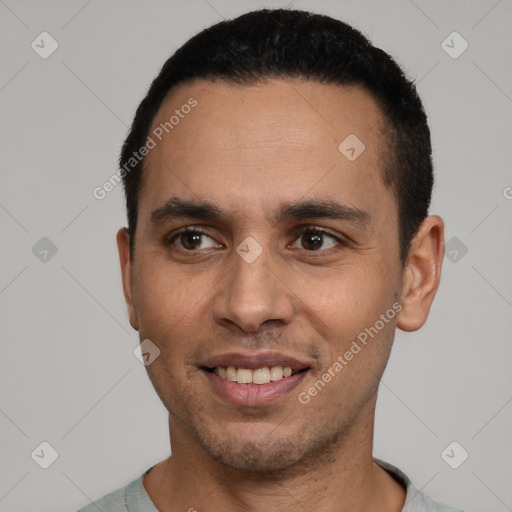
x=253, y=395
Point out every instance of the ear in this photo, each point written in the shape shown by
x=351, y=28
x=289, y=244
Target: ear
x=422, y=274
x=123, y=246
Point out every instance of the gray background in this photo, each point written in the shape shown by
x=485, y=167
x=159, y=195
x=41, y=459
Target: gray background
x=69, y=376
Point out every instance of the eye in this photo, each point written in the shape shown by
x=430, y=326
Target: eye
x=192, y=239
x=316, y=239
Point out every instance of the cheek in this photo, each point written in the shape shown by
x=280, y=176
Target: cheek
x=164, y=294
x=348, y=299
x=168, y=305
x=345, y=309
x=357, y=359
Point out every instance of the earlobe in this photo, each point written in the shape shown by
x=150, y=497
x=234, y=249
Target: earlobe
x=123, y=246
x=422, y=274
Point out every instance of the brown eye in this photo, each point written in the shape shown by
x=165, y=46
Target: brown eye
x=316, y=239
x=312, y=241
x=191, y=241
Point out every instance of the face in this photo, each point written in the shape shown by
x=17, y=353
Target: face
x=261, y=246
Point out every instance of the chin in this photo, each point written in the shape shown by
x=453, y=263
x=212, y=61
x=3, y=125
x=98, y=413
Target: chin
x=252, y=457
x=266, y=452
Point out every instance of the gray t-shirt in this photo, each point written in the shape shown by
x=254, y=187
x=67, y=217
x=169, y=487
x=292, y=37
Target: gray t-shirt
x=134, y=498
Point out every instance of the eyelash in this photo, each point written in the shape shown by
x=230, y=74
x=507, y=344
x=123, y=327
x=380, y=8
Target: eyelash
x=299, y=232
x=169, y=239
x=314, y=230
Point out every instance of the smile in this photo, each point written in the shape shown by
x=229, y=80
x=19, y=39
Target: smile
x=252, y=379
x=258, y=376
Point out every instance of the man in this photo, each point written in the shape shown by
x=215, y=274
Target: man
x=278, y=176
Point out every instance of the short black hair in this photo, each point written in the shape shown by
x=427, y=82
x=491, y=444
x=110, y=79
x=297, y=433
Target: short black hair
x=289, y=44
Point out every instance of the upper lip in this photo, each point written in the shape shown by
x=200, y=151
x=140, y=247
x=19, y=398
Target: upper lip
x=254, y=360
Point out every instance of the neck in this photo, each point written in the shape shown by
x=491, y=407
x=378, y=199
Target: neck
x=342, y=478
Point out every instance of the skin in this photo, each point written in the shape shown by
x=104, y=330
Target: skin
x=248, y=150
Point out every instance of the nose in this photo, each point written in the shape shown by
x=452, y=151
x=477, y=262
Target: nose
x=253, y=294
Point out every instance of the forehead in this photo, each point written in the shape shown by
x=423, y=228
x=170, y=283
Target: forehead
x=252, y=143
x=271, y=110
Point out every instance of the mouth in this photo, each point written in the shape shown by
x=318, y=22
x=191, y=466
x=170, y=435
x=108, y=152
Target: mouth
x=259, y=376
x=254, y=379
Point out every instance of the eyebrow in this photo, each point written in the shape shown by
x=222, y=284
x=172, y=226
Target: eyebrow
x=176, y=208
x=322, y=209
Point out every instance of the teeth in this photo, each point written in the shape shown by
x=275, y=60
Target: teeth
x=230, y=373
x=260, y=376
x=244, y=376
x=276, y=373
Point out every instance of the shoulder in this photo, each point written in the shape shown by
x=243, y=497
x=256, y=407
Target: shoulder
x=112, y=502
x=415, y=500
x=132, y=498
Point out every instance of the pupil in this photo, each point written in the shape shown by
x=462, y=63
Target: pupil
x=191, y=240
x=312, y=241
